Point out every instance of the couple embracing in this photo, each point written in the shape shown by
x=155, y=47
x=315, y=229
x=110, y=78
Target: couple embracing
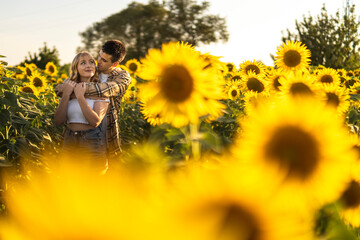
x=89, y=105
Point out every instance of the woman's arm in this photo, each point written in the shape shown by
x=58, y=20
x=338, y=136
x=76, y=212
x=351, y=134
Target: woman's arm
x=94, y=117
x=61, y=111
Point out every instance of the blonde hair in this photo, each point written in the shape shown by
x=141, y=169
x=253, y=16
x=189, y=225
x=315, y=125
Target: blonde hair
x=74, y=74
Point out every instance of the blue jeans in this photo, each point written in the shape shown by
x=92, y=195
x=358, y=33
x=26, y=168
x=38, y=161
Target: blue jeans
x=86, y=145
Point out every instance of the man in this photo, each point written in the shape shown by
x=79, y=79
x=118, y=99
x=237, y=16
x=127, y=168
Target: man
x=113, y=85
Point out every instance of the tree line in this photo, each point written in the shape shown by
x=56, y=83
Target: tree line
x=332, y=39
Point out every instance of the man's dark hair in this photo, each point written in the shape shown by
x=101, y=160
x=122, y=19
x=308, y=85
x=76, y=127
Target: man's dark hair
x=116, y=49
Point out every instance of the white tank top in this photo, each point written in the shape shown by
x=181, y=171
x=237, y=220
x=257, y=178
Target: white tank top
x=74, y=113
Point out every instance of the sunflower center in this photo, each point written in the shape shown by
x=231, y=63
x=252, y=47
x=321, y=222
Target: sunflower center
x=292, y=58
x=230, y=67
x=255, y=85
x=300, y=88
x=239, y=224
x=234, y=93
x=28, y=72
x=38, y=82
x=357, y=150
x=296, y=151
x=253, y=68
x=177, y=83
x=27, y=90
x=332, y=99
x=276, y=84
x=51, y=69
x=351, y=196
x=350, y=83
x=133, y=67
x=236, y=77
x=326, y=79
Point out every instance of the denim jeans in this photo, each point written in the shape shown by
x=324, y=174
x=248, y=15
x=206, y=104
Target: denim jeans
x=88, y=145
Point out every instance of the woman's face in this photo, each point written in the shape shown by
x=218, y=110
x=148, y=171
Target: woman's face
x=86, y=67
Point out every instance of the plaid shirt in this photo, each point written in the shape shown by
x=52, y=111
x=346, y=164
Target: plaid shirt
x=114, y=88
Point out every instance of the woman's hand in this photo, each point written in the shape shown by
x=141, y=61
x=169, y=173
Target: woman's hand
x=80, y=89
x=68, y=87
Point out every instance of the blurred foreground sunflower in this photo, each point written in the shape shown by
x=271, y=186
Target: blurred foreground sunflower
x=72, y=201
x=299, y=84
x=230, y=203
x=350, y=200
x=302, y=142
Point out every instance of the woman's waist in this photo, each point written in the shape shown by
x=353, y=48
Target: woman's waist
x=79, y=126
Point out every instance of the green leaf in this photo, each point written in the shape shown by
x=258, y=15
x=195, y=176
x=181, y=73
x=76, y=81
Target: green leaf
x=12, y=99
x=174, y=134
x=355, y=97
x=4, y=117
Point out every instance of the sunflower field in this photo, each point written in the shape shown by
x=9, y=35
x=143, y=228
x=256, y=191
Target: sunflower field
x=211, y=151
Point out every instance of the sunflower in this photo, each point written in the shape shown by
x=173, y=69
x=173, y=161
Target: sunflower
x=252, y=100
x=255, y=67
x=233, y=92
x=350, y=73
x=254, y=82
x=301, y=142
x=154, y=120
x=341, y=72
x=215, y=63
x=328, y=76
x=33, y=66
x=357, y=73
x=336, y=97
x=131, y=93
x=180, y=88
x=29, y=89
x=236, y=77
x=208, y=202
x=51, y=69
x=292, y=56
x=38, y=81
x=299, y=84
x=231, y=67
x=133, y=65
x=348, y=82
x=350, y=200
x=27, y=70
x=273, y=79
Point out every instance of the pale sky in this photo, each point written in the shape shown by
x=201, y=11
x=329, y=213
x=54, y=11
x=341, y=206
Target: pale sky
x=255, y=26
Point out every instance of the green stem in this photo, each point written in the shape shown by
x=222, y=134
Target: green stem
x=195, y=141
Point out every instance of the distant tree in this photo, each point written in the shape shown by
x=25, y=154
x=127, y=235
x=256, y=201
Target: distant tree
x=144, y=26
x=44, y=56
x=333, y=41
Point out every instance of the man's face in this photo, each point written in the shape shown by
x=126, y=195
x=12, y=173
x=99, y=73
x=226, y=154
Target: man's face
x=104, y=62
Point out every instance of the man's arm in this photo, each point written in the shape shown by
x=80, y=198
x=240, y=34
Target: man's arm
x=114, y=87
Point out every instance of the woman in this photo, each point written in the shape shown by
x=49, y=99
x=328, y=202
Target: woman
x=83, y=116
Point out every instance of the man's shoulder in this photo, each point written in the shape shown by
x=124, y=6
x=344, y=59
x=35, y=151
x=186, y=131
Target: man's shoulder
x=120, y=72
